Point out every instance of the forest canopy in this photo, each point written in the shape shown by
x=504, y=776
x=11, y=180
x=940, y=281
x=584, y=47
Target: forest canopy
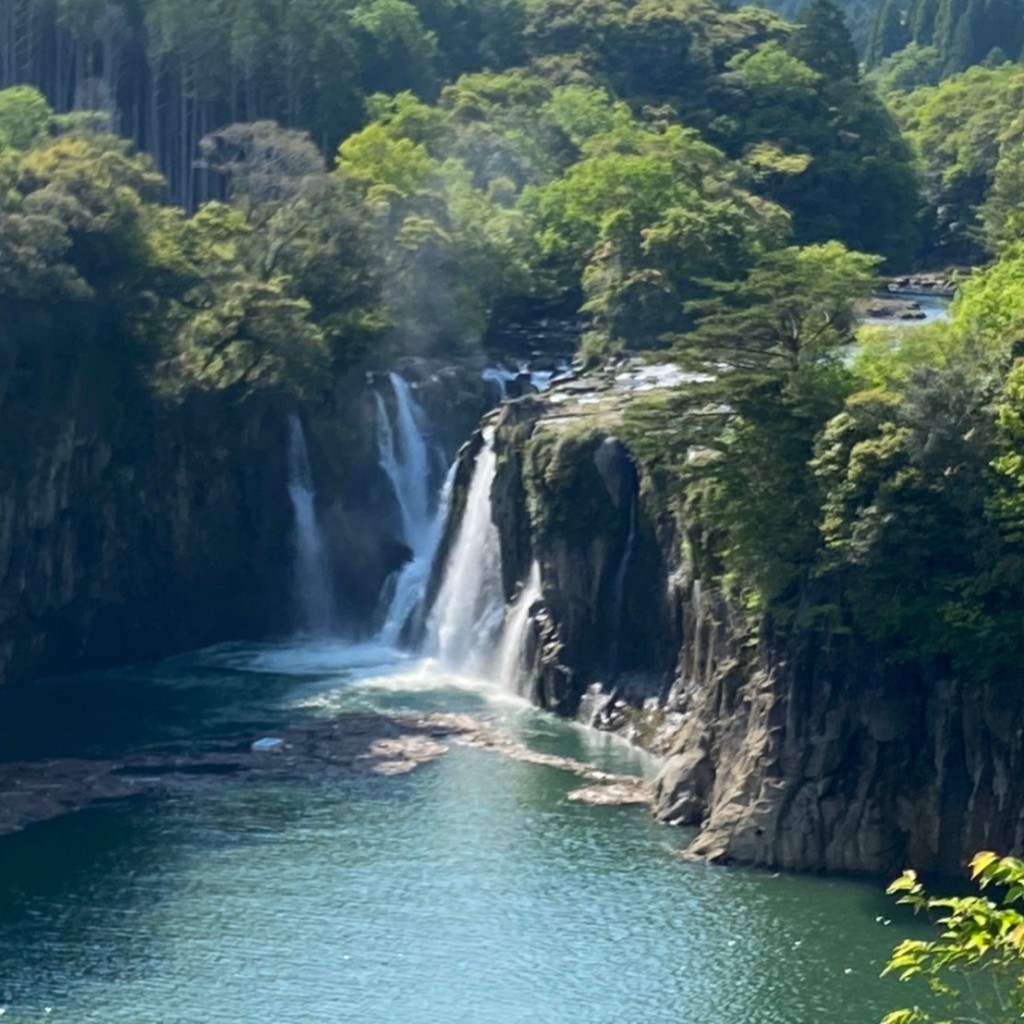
x=351, y=180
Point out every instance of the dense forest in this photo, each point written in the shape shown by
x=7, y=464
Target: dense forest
x=933, y=39
x=714, y=183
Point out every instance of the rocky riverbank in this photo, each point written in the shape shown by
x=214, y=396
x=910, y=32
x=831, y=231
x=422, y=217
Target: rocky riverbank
x=351, y=745
x=790, y=748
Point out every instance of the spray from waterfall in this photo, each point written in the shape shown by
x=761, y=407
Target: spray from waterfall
x=467, y=614
x=311, y=578
x=511, y=651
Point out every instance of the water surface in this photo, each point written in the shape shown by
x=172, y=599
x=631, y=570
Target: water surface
x=470, y=891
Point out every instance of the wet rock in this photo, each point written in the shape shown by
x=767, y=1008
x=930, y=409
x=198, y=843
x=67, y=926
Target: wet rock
x=612, y=794
x=349, y=746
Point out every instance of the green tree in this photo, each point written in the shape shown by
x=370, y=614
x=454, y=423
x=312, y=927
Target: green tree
x=1003, y=209
x=822, y=41
x=25, y=117
x=975, y=967
x=766, y=364
x=889, y=34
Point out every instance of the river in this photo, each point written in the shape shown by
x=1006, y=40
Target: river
x=469, y=891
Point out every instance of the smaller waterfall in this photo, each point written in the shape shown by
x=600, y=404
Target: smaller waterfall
x=405, y=457
x=311, y=580
x=470, y=603
x=619, y=604
x=411, y=581
x=511, y=667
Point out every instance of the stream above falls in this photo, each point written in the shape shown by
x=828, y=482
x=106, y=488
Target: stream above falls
x=471, y=890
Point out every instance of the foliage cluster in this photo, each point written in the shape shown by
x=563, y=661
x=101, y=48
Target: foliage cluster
x=881, y=482
x=187, y=302
x=976, y=964
x=968, y=135
x=621, y=157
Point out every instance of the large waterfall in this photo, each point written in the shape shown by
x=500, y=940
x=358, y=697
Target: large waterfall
x=311, y=579
x=464, y=621
x=468, y=628
x=404, y=455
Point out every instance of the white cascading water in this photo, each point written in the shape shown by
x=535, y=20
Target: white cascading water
x=502, y=376
x=311, y=578
x=412, y=579
x=404, y=455
x=619, y=606
x=511, y=667
x=465, y=618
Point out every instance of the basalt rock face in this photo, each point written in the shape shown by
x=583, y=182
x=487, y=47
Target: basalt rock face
x=793, y=748
x=816, y=752
x=573, y=501
x=127, y=532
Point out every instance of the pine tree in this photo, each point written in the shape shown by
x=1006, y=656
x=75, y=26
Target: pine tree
x=823, y=42
x=921, y=21
x=965, y=48
x=946, y=21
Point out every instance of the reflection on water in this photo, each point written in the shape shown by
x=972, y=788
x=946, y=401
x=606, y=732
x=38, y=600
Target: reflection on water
x=470, y=891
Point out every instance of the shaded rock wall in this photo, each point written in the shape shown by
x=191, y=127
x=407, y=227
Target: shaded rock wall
x=794, y=749
x=816, y=752
x=574, y=503
x=127, y=532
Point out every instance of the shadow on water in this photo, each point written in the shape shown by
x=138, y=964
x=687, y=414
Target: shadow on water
x=109, y=714
x=70, y=893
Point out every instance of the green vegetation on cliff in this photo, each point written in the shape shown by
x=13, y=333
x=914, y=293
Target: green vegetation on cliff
x=713, y=183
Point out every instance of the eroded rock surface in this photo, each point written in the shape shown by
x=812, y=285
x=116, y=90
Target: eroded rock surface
x=791, y=749
x=348, y=746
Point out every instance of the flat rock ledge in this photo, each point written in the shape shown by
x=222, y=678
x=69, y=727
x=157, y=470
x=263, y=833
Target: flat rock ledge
x=351, y=745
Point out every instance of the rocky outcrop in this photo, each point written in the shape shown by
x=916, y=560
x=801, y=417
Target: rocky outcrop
x=569, y=495
x=792, y=748
x=816, y=752
x=128, y=529
x=115, y=549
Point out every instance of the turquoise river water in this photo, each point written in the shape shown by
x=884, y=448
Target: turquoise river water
x=470, y=891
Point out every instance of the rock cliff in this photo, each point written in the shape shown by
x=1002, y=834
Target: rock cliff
x=790, y=748
x=569, y=495
x=133, y=525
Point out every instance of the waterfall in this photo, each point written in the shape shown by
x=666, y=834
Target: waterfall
x=511, y=669
x=311, y=581
x=470, y=603
x=411, y=580
x=619, y=604
x=404, y=455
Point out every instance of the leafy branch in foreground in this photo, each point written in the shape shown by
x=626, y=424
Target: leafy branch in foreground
x=976, y=965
